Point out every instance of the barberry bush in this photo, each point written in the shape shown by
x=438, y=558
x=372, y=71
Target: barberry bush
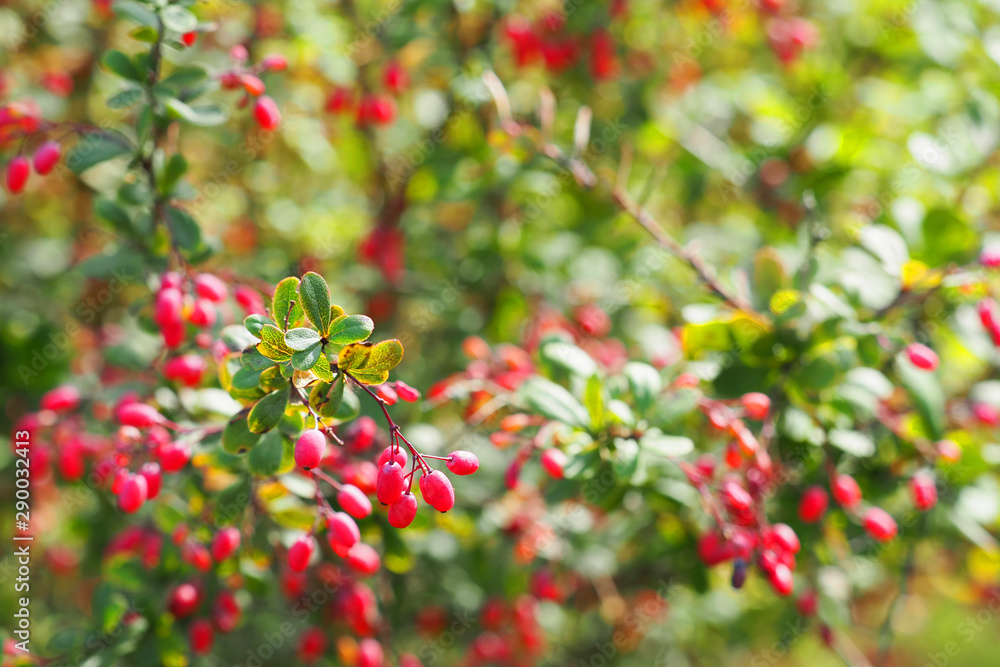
x=685, y=352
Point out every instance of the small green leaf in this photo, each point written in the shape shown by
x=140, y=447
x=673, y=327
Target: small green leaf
x=852, y=442
x=350, y=329
x=114, y=214
x=322, y=369
x=202, y=116
x=183, y=228
x=178, y=19
x=173, y=171
x=285, y=306
x=122, y=65
x=593, y=399
x=326, y=398
x=246, y=378
x=144, y=34
x=236, y=436
x=645, y=383
x=554, y=401
x=185, y=76
x=625, y=460
x=569, y=357
x=306, y=359
x=267, y=412
x=265, y=458
x=349, y=408
x=656, y=442
x=124, y=99
x=93, y=149
x=370, y=364
x=254, y=323
x=301, y=339
x=315, y=297
x=252, y=358
x=135, y=11
x=273, y=337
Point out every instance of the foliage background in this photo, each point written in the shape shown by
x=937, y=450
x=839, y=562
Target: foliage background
x=890, y=123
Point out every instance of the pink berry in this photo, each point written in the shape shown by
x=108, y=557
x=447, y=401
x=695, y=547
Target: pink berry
x=391, y=452
x=210, y=287
x=344, y=532
x=736, y=496
x=301, y=553
x=922, y=356
x=846, y=491
x=225, y=543
x=757, y=405
x=879, y=525
x=390, y=483
x=370, y=654
x=923, y=492
x=61, y=399
x=174, y=456
x=203, y=313
x=554, y=461
x=17, y=174
x=813, y=504
x=187, y=369
x=265, y=111
x=948, y=450
x=354, y=501
x=463, y=463
x=406, y=392
x=151, y=471
x=309, y=449
x=169, y=306
x=781, y=536
x=361, y=434
x=781, y=579
x=363, y=558
x=133, y=494
x=274, y=62
x=402, y=512
x=437, y=490
x=184, y=600
x=990, y=257
x=46, y=157
x=201, y=635
x=139, y=415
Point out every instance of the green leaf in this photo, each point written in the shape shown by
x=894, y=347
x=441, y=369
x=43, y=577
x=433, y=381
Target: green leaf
x=236, y=436
x=137, y=12
x=852, y=442
x=593, y=399
x=237, y=338
x=183, y=228
x=246, y=378
x=315, y=297
x=252, y=358
x=928, y=397
x=254, y=323
x=370, y=364
x=322, y=369
x=115, y=215
x=125, y=98
x=93, y=149
x=173, y=171
x=301, y=339
x=645, y=383
x=267, y=412
x=201, y=116
x=657, y=443
x=265, y=459
x=625, y=460
x=183, y=77
x=569, y=357
x=553, y=401
x=178, y=19
x=145, y=34
x=350, y=329
x=306, y=359
x=122, y=65
x=349, y=408
x=285, y=304
x=232, y=500
x=326, y=398
x=273, y=338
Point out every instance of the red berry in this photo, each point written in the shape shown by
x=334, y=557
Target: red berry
x=189, y=38
x=399, y=456
x=202, y=313
x=46, y=157
x=846, y=491
x=184, y=600
x=17, y=174
x=757, y=405
x=344, y=532
x=463, y=463
x=714, y=549
x=879, y=525
x=781, y=579
x=370, y=654
x=736, y=496
x=201, y=636
x=151, y=471
x=922, y=356
x=226, y=612
x=948, y=450
x=986, y=414
x=61, y=399
x=364, y=559
x=808, y=603
x=554, y=461
x=813, y=504
x=301, y=553
x=310, y=449
x=390, y=483
x=402, y=511
x=340, y=100
x=923, y=492
x=265, y=111
x=187, y=369
x=990, y=257
x=225, y=543
x=354, y=501
x=139, y=415
x=361, y=434
x=312, y=645
x=169, y=306
x=781, y=536
x=174, y=456
x=386, y=393
x=210, y=287
x=274, y=62
x=133, y=494
x=406, y=392
x=437, y=490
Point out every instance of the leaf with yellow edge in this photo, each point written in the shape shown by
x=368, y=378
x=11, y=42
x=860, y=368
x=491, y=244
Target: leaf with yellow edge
x=370, y=364
x=273, y=345
x=285, y=303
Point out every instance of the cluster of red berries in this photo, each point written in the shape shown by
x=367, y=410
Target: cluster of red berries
x=242, y=76
x=44, y=161
x=788, y=36
x=186, y=599
x=545, y=40
x=371, y=108
x=182, y=300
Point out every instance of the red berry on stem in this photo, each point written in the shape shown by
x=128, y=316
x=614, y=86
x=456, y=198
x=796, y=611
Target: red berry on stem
x=133, y=494
x=397, y=454
x=189, y=38
x=344, y=532
x=174, y=456
x=406, y=392
x=301, y=553
x=402, y=512
x=781, y=579
x=781, y=536
x=846, y=491
x=46, y=157
x=184, y=600
x=554, y=461
x=922, y=356
x=309, y=449
x=813, y=504
x=202, y=313
x=736, y=496
x=225, y=543
x=923, y=492
x=948, y=450
x=437, y=490
x=364, y=559
x=354, y=501
x=210, y=287
x=265, y=111
x=879, y=525
x=274, y=62
x=61, y=399
x=253, y=85
x=390, y=483
x=312, y=645
x=151, y=471
x=757, y=405
x=17, y=174
x=463, y=463
x=201, y=636
x=370, y=654
x=139, y=415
